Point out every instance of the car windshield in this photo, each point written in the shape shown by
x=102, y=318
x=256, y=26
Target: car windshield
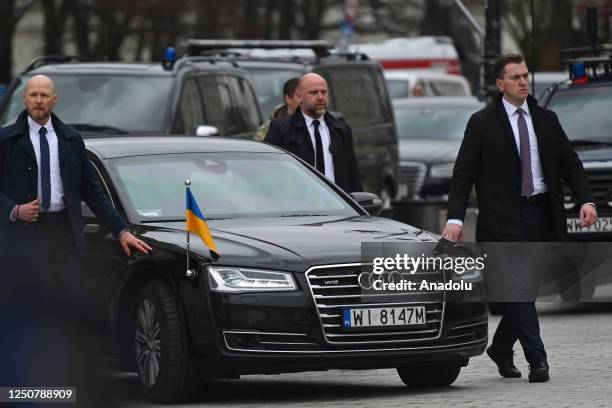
x=584, y=112
x=129, y=103
x=269, y=87
x=432, y=122
x=225, y=185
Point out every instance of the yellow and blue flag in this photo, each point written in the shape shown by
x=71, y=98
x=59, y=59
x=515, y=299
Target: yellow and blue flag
x=196, y=223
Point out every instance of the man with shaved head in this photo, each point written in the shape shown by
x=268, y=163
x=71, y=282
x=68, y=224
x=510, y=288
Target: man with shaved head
x=44, y=175
x=317, y=137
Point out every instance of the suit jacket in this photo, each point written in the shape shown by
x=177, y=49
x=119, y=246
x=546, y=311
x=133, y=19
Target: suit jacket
x=19, y=181
x=489, y=158
x=291, y=134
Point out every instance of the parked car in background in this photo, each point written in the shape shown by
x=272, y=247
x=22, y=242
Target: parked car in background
x=190, y=96
x=411, y=83
x=430, y=131
x=277, y=298
x=583, y=104
x=357, y=95
x=539, y=81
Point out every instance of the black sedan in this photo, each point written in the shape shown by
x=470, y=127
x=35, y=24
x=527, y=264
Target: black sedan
x=430, y=131
x=276, y=299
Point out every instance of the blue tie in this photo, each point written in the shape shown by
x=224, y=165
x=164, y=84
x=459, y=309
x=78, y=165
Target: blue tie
x=45, y=171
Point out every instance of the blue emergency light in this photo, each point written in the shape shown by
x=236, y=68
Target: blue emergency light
x=579, y=75
x=169, y=58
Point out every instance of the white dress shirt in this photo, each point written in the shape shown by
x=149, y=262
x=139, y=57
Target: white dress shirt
x=325, y=140
x=57, y=188
x=536, y=165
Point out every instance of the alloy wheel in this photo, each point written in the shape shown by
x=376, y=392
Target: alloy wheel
x=148, y=343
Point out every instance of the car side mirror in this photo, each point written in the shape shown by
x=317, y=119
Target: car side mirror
x=369, y=201
x=205, y=130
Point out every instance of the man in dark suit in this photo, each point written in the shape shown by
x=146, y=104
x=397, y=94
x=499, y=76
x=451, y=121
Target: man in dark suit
x=316, y=137
x=517, y=155
x=44, y=175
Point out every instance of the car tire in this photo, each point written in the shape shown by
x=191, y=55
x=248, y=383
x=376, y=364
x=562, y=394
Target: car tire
x=433, y=375
x=165, y=372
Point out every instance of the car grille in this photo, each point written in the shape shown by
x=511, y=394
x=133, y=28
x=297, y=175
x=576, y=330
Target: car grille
x=600, y=182
x=412, y=174
x=336, y=287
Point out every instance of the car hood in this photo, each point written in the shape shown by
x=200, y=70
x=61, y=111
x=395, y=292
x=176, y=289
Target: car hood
x=429, y=151
x=595, y=153
x=287, y=244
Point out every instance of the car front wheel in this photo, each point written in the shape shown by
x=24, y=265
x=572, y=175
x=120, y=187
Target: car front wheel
x=433, y=375
x=162, y=353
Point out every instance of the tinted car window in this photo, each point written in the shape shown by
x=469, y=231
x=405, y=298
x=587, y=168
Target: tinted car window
x=217, y=104
x=244, y=101
x=398, y=88
x=354, y=93
x=446, y=88
x=120, y=101
x=190, y=114
x=584, y=108
x=226, y=185
x=269, y=87
x=436, y=122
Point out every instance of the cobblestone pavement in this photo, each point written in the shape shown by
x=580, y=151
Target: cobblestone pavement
x=578, y=339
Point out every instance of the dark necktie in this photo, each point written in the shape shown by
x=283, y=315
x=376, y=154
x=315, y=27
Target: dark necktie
x=319, y=160
x=45, y=171
x=527, y=177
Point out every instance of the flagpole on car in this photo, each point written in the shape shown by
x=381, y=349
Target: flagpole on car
x=190, y=273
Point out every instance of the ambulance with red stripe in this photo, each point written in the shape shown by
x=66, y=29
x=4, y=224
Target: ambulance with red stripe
x=414, y=53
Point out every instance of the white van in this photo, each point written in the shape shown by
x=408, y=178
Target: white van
x=426, y=52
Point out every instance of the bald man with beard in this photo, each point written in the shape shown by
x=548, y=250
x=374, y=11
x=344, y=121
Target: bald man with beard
x=44, y=175
x=317, y=137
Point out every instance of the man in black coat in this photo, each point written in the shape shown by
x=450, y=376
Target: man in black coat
x=44, y=175
x=316, y=137
x=517, y=155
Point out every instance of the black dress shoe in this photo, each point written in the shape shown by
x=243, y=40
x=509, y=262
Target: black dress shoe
x=505, y=363
x=538, y=372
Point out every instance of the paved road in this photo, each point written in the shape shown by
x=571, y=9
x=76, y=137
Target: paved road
x=578, y=339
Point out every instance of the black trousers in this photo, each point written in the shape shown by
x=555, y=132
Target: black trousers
x=40, y=307
x=520, y=319
x=41, y=263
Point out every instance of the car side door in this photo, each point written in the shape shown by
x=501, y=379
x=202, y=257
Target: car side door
x=104, y=263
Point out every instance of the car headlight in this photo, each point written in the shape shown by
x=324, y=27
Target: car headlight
x=228, y=279
x=442, y=170
x=471, y=275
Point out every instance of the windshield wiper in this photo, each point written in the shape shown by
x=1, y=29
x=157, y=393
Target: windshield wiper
x=586, y=142
x=88, y=127
x=304, y=215
x=160, y=220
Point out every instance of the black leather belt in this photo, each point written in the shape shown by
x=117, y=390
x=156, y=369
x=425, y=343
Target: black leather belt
x=537, y=199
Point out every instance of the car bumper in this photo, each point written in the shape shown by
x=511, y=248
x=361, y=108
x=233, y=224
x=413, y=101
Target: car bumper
x=267, y=333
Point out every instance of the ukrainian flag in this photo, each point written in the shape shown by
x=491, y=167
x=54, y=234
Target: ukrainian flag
x=197, y=225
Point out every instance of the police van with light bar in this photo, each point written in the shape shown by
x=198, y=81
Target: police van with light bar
x=582, y=104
